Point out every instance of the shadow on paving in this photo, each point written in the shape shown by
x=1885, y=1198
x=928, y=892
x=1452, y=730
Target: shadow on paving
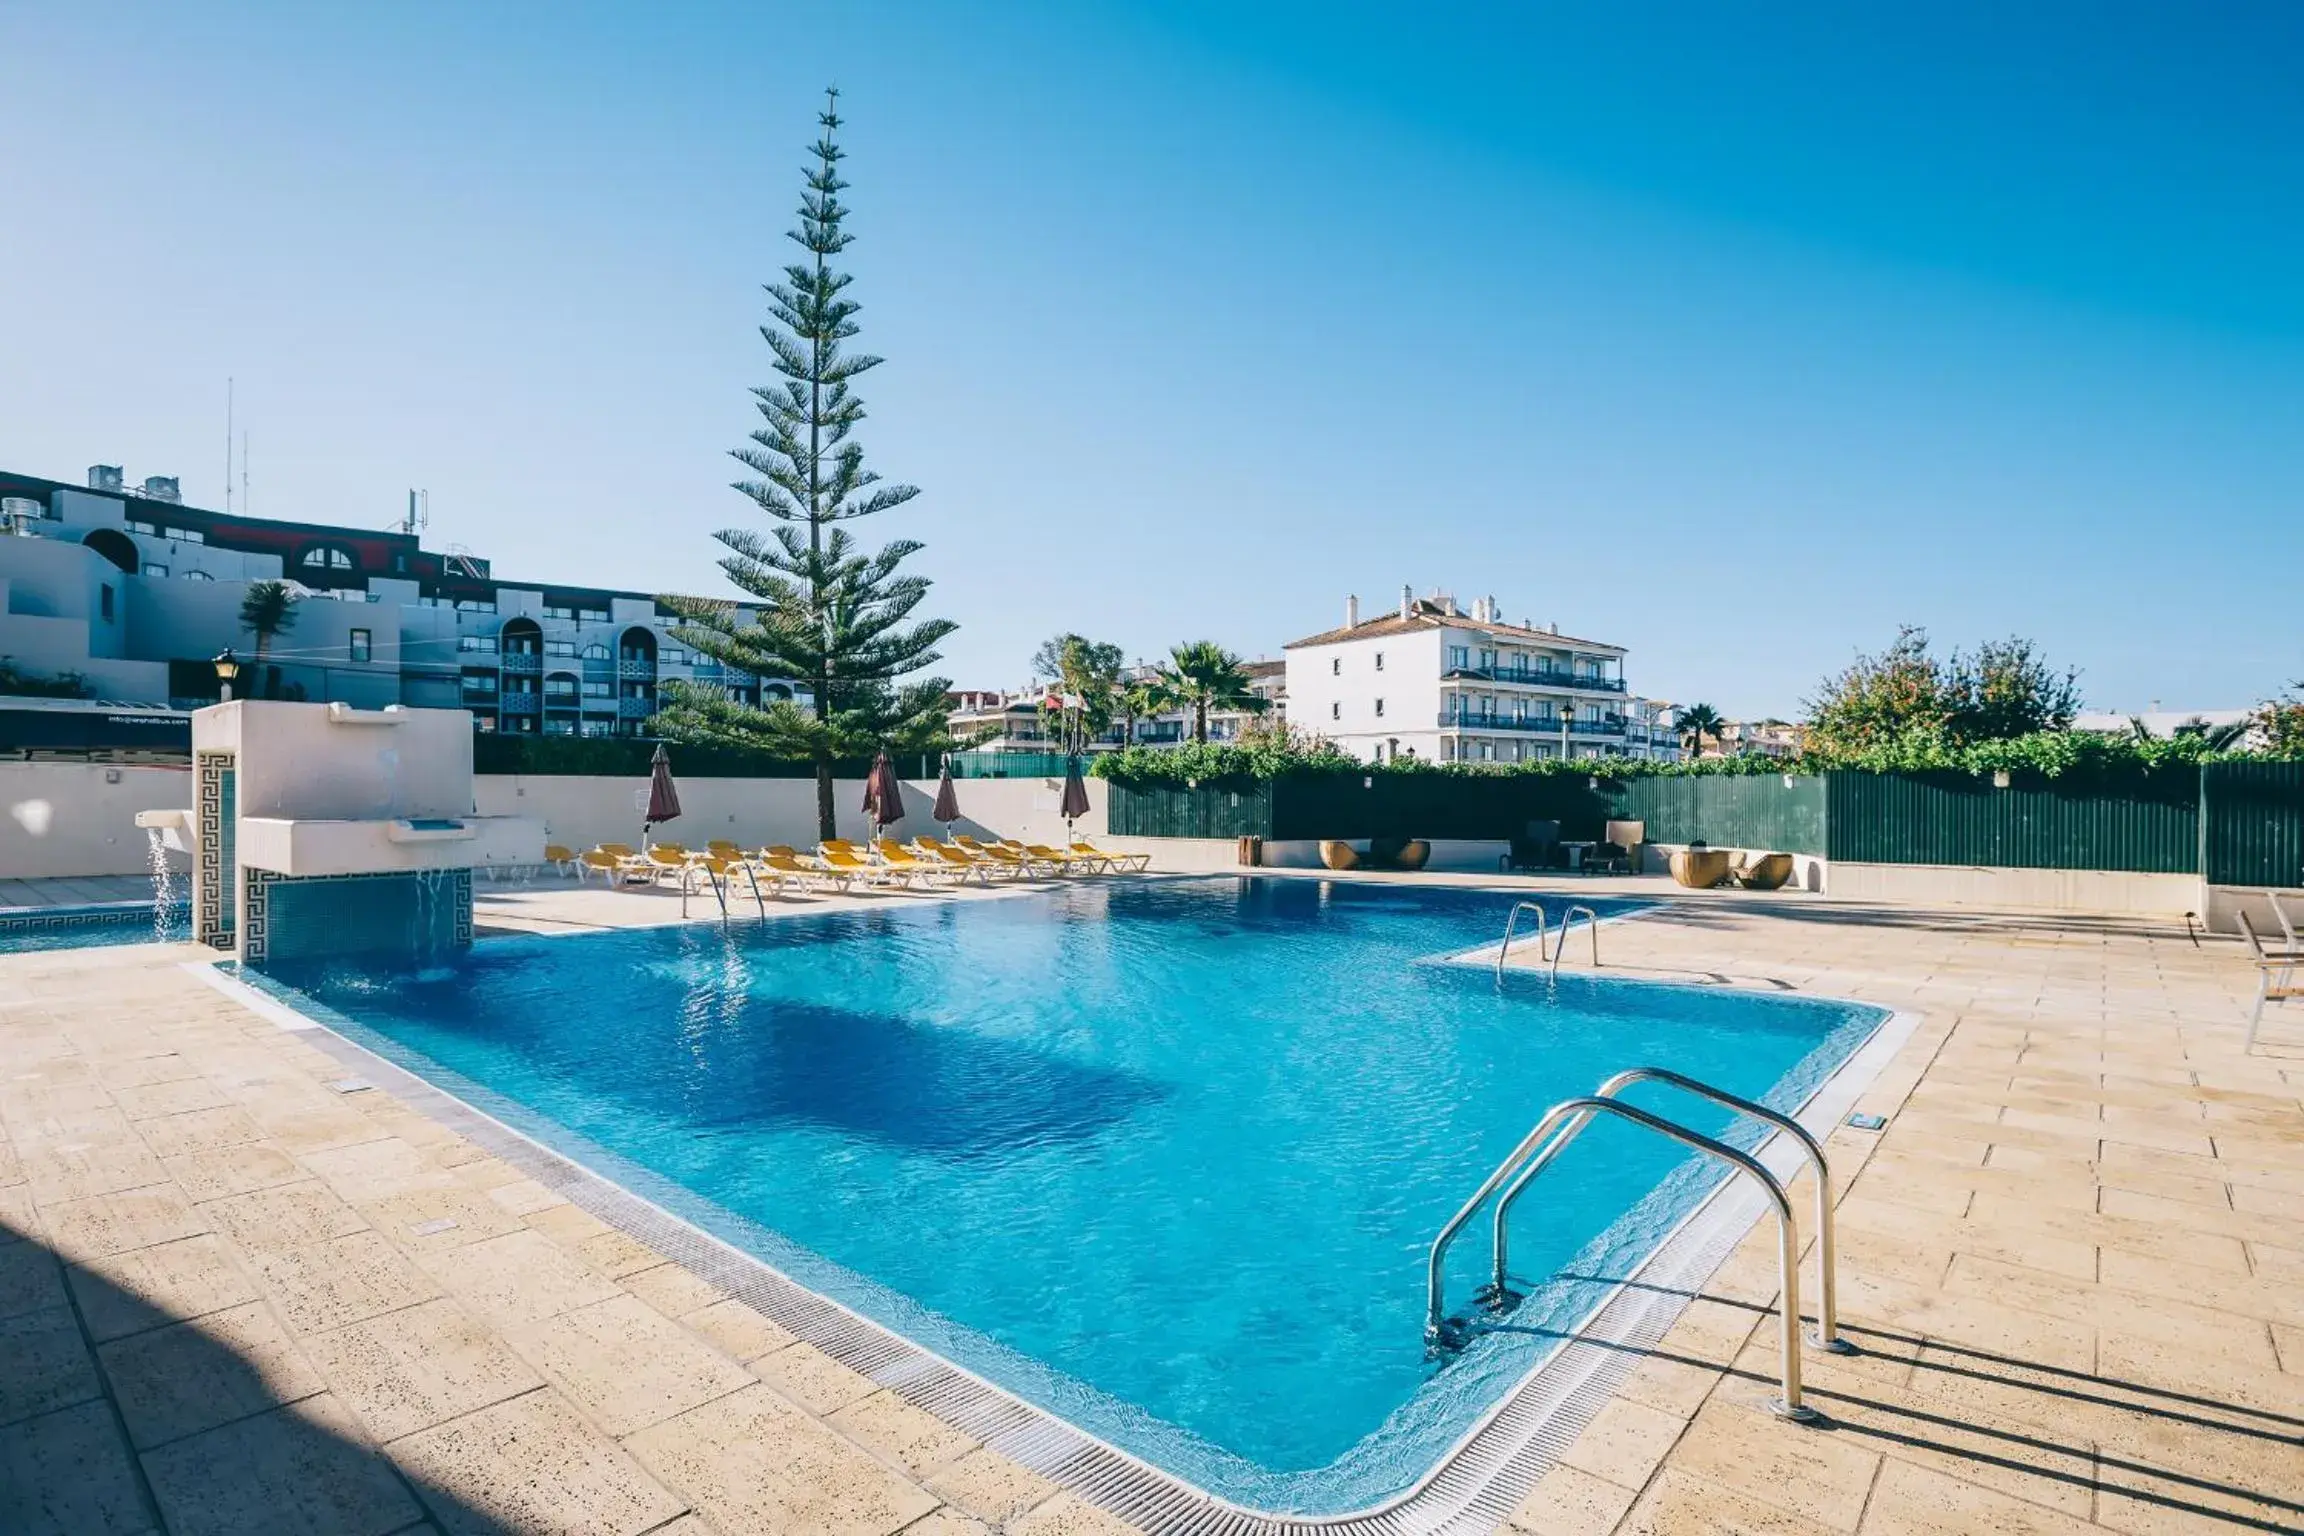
x=1930, y=1417
x=118, y=1418
x=1715, y=911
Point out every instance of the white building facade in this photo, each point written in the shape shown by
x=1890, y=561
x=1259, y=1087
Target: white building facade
x=1432, y=680
x=135, y=594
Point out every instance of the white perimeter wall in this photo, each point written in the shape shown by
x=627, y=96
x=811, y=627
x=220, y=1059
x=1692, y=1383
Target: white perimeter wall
x=580, y=811
x=80, y=818
x=66, y=819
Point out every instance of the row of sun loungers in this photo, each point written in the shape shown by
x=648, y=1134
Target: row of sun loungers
x=841, y=865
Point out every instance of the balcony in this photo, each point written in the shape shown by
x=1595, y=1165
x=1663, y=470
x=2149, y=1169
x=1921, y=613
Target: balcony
x=635, y=709
x=1539, y=725
x=1532, y=678
x=528, y=662
x=629, y=667
x=520, y=703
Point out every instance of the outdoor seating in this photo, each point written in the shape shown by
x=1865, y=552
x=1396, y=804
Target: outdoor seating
x=895, y=855
x=562, y=859
x=844, y=859
x=1337, y=854
x=1132, y=862
x=1618, y=851
x=1057, y=859
x=1537, y=848
x=2276, y=978
x=1009, y=858
x=956, y=860
x=1700, y=869
x=1763, y=871
x=781, y=863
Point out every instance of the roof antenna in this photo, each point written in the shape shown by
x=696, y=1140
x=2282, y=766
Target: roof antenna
x=227, y=442
x=244, y=502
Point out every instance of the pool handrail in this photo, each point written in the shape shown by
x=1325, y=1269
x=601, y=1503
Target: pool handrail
x=1580, y=1111
x=1543, y=925
x=1591, y=926
x=1827, y=1334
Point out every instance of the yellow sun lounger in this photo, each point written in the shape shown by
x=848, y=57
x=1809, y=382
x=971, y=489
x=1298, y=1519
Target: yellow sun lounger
x=1126, y=861
x=1009, y=856
x=859, y=870
x=957, y=861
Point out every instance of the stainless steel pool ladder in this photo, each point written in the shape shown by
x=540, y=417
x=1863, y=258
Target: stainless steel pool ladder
x=1566, y=1120
x=1512, y=921
x=719, y=890
x=1560, y=944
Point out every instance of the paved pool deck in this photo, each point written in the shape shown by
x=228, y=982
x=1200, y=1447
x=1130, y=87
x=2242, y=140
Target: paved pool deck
x=236, y=1298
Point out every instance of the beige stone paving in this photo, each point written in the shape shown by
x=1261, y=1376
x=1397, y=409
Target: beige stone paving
x=2074, y=1262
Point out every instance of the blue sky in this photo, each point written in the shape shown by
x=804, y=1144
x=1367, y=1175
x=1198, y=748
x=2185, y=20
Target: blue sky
x=1736, y=335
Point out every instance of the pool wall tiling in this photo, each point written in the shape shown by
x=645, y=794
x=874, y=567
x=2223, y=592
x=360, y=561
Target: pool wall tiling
x=27, y=929
x=1471, y=1459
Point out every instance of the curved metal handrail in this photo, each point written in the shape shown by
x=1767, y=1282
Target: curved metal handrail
x=1827, y=1334
x=1581, y=1111
x=1591, y=926
x=1542, y=926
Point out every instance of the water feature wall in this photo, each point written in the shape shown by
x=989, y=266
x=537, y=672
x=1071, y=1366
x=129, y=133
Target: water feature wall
x=318, y=830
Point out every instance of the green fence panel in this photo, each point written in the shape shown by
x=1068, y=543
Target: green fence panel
x=2147, y=822
x=1782, y=813
x=1429, y=805
x=1208, y=810
x=1009, y=765
x=630, y=757
x=2252, y=824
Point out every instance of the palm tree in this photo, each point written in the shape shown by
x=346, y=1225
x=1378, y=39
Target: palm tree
x=1696, y=722
x=269, y=609
x=1201, y=675
x=1137, y=700
x=2217, y=738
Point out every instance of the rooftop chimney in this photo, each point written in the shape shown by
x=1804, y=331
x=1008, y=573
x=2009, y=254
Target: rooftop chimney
x=1352, y=611
x=1407, y=600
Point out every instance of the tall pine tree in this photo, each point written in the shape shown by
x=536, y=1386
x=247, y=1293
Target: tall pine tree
x=829, y=613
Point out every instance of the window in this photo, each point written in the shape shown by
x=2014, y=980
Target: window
x=485, y=643
x=598, y=728
x=559, y=727
x=598, y=652
x=1379, y=708
x=591, y=615
x=198, y=576
x=1379, y=661
x=105, y=602
x=475, y=605
x=1459, y=657
x=559, y=610
x=323, y=558
x=154, y=570
x=188, y=535
x=599, y=688
x=1488, y=660
x=560, y=688
x=673, y=656
x=138, y=525
x=559, y=647
x=1335, y=666
x=360, y=645
x=1335, y=711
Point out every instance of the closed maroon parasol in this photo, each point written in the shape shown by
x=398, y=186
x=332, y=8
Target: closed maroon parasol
x=883, y=796
x=663, y=799
x=947, y=808
x=1075, y=796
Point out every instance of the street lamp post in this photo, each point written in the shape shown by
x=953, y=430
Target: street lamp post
x=227, y=668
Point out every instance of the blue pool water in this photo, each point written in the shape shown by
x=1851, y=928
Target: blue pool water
x=91, y=926
x=1162, y=1156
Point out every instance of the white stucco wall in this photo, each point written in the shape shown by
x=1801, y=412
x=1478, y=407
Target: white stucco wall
x=66, y=819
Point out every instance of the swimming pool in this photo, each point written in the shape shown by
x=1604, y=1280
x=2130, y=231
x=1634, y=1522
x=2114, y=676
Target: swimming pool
x=25, y=930
x=1163, y=1157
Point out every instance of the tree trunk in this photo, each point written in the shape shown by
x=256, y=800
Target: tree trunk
x=827, y=825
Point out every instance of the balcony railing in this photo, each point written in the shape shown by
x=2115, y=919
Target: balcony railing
x=1542, y=725
x=522, y=661
x=627, y=667
x=520, y=703
x=635, y=709
x=1533, y=678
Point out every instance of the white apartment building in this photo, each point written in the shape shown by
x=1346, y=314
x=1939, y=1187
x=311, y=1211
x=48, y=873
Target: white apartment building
x=135, y=593
x=1431, y=680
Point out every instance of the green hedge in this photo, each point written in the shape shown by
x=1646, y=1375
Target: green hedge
x=629, y=757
